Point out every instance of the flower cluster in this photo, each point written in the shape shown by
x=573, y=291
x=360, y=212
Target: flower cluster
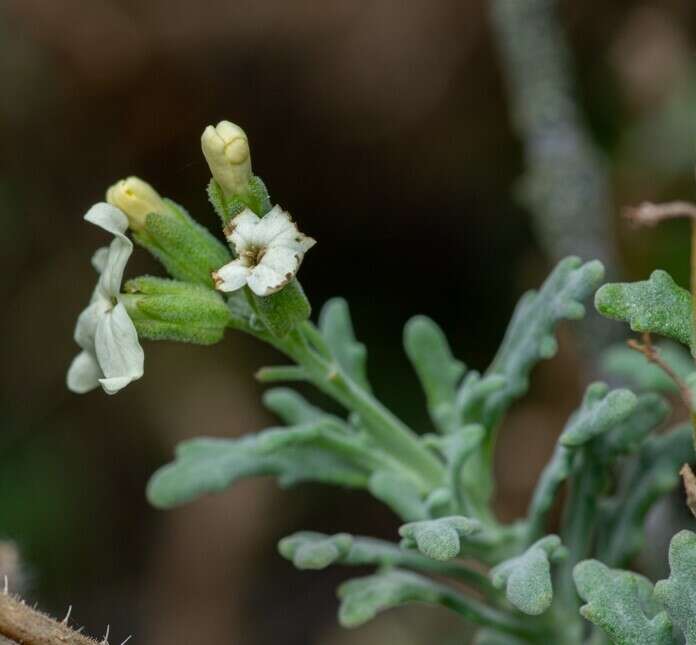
x=267, y=246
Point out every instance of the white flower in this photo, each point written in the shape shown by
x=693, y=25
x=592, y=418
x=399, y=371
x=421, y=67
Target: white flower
x=111, y=356
x=269, y=252
x=226, y=149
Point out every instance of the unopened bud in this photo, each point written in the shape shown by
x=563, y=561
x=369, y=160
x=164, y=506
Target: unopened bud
x=137, y=199
x=226, y=149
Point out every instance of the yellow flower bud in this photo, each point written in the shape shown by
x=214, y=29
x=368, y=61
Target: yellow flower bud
x=226, y=149
x=137, y=199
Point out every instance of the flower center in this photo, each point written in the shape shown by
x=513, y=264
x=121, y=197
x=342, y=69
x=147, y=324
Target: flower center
x=253, y=255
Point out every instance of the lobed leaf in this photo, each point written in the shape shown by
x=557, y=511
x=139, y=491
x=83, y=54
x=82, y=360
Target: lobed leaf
x=309, y=550
x=657, y=305
x=311, y=452
x=438, y=371
x=438, y=539
x=529, y=337
x=337, y=330
x=618, y=602
x=678, y=592
x=363, y=598
x=601, y=411
x=527, y=578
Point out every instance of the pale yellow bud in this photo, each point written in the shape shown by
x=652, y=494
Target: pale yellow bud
x=137, y=199
x=226, y=149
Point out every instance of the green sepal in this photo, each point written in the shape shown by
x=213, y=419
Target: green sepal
x=256, y=198
x=187, y=250
x=601, y=411
x=658, y=305
x=527, y=578
x=164, y=309
x=308, y=550
x=282, y=311
x=620, y=603
x=438, y=539
x=678, y=592
x=438, y=371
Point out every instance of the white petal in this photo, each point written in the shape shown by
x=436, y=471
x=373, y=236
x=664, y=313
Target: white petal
x=112, y=265
x=108, y=217
x=275, y=224
x=264, y=281
x=240, y=230
x=231, y=277
x=87, y=321
x=282, y=260
x=120, y=356
x=99, y=259
x=83, y=374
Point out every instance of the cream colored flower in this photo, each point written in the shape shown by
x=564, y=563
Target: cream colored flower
x=111, y=354
x=137, y=199
x=226, y=149
x=269, y=252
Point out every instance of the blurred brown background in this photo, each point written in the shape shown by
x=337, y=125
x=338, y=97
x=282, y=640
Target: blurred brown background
x=384, y=127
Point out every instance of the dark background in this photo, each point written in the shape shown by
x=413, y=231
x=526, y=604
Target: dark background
x=384, y=127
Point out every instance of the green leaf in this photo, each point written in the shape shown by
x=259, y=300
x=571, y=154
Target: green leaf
x=527, y=578
x=309, y=550
x=163, y=309
x=492, y=637
x=312, y=452
x=678, y=592
x=529, y=337
x=601, y=411
x=617, y=602
x=282, y=311
x=626, y=363
x=363, y=598
x=438, y=539
x=657, y=305
x=644, y=481
x=398, y=492
x=337, y=330
x=292, y=407
x=439, y=372
x=187, y=250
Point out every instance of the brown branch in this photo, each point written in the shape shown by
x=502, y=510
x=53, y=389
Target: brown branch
x=648, y=350
x=22, y=624
x=689, y=486
x=649, y=214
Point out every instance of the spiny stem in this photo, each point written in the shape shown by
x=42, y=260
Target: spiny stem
x=22, y=624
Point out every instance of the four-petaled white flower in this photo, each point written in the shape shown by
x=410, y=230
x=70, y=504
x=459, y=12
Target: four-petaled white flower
x=269, y=252
x=111, y=354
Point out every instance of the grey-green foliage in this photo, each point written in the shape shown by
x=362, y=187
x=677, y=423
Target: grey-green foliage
x=337, y=330
x=625, y=363
x=441, y=483
x=620, y=603
x=678, y=592
x=438, y=539
x=601, y=410
x=527, y=577
x=363, y=598
x=529, y=337
x=657, y=305
x=439, y=372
